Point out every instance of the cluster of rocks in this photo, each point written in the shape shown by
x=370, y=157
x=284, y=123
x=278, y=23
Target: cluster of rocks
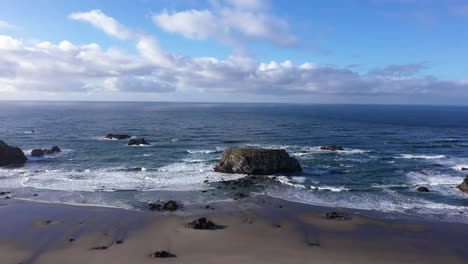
x=170, y=206
x=42, y=152
x=201, y=224
x=257, y=161
x=137, y=142
x=131, y=142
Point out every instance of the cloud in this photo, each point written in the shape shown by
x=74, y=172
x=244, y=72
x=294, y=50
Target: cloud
x=137, y=84
x=249, y=4
x=8, y=26
x=103, y=22
x=233, y=25
x=461, y=10
x=399, y=70
x=66, y=67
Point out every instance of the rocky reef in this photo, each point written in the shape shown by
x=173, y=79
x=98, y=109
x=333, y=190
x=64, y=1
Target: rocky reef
x=256, y=161
x=112, y=136
x=11, y=155
x=42, y=152
x=464, y=185
x=138, y=141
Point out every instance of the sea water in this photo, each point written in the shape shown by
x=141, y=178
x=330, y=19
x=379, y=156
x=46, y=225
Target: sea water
x=389, y=152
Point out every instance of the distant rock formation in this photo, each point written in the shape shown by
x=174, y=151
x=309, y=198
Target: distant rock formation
x=256, y=161
x=138, y=141
x=112, y=136
x=331, y=148
x=42, y=152
x=422, y=189
x=11, y=155
x=464, y=185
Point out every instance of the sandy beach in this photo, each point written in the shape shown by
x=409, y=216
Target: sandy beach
x=254, y=230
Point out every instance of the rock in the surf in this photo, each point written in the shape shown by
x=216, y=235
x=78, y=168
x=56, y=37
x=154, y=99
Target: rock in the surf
x=137, y=141
x=422, y=189
x=464, y=168
x=112, y=136
x=257, y=161
x=464, y=185
x=11, y=155
x=332, y=148
x=42, y=152
x=165, y=206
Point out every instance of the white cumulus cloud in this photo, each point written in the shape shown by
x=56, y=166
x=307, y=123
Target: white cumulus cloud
x=65, y=67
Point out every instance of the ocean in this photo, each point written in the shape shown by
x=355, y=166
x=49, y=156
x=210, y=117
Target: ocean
x=389, y=152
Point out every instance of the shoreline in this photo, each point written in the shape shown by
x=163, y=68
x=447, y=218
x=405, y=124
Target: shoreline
x=259, y=229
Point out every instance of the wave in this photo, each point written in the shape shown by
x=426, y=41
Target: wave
x=298, y=182
x=433, y=179
x=383, y=201
x=410, y=156
x=208, y=151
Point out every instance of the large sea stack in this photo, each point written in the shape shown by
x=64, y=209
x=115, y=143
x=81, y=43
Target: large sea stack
x=464, y=185
x=257, y=161
x=11, y=155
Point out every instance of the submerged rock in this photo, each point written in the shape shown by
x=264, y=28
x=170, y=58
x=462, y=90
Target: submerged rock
x=201, y=223
x=332, y=148
x=257, y=161
x=137, y=141
x=337, y=216
x=42, y=152
x=464, y=185
x=422, y=189
x=112, y=136
x=11, y=155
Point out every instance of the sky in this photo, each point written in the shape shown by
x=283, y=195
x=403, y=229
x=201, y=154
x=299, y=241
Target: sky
x=337, y=51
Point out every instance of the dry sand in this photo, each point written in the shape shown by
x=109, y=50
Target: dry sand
x=255, y=230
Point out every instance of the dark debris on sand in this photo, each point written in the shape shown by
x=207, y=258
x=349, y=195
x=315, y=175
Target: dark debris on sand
x=100, y=248
x=338, y=216
x=162, y=254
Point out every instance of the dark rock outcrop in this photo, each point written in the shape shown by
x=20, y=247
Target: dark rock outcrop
x=201, y=223
x=464, y=168
x=165, y=206
x=162, y=254
x=42, y=152
x=11, y=155
x=257, y=161
x=332, y=148
x=422, y=189
x=464, y=185
x=112, y=136
x=337, y=216
x=137, y=141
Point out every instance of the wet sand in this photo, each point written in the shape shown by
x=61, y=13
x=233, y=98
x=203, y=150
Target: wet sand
x=252, y=230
